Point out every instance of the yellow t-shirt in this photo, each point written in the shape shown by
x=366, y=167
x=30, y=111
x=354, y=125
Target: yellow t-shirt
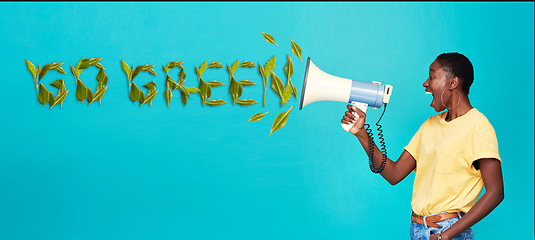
x=444, y=151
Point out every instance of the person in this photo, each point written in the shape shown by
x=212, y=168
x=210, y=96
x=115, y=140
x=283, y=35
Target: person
x=453, y=154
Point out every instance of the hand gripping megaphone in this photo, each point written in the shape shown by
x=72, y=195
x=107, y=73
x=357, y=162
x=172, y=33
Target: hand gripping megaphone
x=321, y=86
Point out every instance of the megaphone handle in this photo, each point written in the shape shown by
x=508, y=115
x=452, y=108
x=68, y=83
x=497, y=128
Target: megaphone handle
x=359, y=105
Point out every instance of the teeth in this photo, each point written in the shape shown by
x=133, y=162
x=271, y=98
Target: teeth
x=428, y=92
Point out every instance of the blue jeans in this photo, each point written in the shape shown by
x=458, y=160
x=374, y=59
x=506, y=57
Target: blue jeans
x=421, y=232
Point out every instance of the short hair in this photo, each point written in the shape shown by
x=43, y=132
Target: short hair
x=459, y=66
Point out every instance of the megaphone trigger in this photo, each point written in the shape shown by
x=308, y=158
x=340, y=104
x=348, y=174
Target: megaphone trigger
x=362, y=106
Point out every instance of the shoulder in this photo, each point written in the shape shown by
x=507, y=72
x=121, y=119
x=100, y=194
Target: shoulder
x=479, y=119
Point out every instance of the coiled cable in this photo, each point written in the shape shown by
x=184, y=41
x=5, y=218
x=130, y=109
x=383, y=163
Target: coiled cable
x=381, y=142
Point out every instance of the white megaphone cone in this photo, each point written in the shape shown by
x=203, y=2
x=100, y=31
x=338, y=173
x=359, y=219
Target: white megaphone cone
x=321, y=86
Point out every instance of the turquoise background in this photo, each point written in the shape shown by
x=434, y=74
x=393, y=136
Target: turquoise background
x=120, y=171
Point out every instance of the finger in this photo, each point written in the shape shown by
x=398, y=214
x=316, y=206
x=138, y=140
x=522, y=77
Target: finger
x=348, y=119
x=359, y=112
x=350, y=115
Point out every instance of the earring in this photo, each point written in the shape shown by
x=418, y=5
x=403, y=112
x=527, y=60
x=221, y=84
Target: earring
x=458, y=102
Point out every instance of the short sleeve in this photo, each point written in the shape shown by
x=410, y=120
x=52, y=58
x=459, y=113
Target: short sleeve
x=414, y=145
x=485, y=143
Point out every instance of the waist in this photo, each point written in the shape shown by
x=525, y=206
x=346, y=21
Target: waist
x=431, y=220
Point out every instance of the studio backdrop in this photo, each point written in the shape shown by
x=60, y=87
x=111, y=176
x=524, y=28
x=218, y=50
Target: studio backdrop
x=160, y=121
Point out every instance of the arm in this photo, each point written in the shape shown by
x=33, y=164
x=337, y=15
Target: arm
x=491, y=173
x=393, y=172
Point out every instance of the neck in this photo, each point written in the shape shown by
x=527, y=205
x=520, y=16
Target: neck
x=463, y=108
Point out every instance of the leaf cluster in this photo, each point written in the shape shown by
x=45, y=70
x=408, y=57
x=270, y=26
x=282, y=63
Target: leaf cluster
x=82, y=91
x=236, y=87
x=171, y=85
x=135, y=93
x=43, y=94
x=205, y=88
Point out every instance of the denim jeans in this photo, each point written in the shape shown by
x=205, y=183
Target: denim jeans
x=421, y=232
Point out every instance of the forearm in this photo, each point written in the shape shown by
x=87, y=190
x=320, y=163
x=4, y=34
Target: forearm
x=488, y=202
x=389, y=171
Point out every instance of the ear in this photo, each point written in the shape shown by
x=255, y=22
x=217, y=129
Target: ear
x=454, y=82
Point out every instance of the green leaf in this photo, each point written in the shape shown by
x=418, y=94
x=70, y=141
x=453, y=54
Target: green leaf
x=50, y=99
x=217, y=102
x=270, y=66
x=289, y=68
x=184, y=97
x=137, y=71
x=101, y=76
x=44, y=71
x=141, y=97
x=31, y=68
x=215, y=65
x=276, y=85
x=240, y=90
x=246, y=102
x=126, y=69
x=99, y=66
x=294, y=90
x=269, y=38
x=150, y=97
x=296, y=50
x=233, y=89
x=229, y=70
x=287, y=93
x=151, y=71
x=58, y=83
x=73, y=71
x=81, y=92
x=99, y=94
x=215, y=83
x=83, y=65
x=61, y=70
x=280, y=120
x=60, y=98
x=197, y=71
x=182, y=73
x=257, y=116
x=150, y=85
x=235, y=66
x=168, y=95
x=261, y=70
x=247, y=64
x=147, y=67
x=134, y=93
x=42, y=95
x=94, y=61
x=89, y=95
x=165, y=69
x=192, y=89
x=203, y=87
x=202, y=68
x=246, y=83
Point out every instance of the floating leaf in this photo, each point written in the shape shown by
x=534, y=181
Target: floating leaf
x=151, y=71
x=89, y=95
x=184, y=97
x=246, y=83
x=192, y=89
x=233, y=89
x=269, y=38
x=99, y=94
x=215, y=83
x=168, y=95
x=296, y=50
x=270, y=66
x=276, y=85
x=246, y=102
x=61, y=70
x=60, y=98
x=134, y=93
x=235, y=66
x=58, y=83
x=217, y=102
x=287, y=93
x=137, y=71
x=126, y=69
x=150, y=97
x=150, y=85
x=50, y=99
x=280, y=120
x=294, y=90
x=81, y=92
x=42, y=95
x=215, y=65
x=257, y=116
x=44, y=71
x=289, y=68
x=247, y=64
x=202, y=68
x=31, y=68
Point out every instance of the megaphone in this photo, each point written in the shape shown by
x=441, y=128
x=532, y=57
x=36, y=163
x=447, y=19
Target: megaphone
x=321, y=86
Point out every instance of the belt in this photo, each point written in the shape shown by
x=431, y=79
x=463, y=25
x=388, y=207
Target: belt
x=431, y=220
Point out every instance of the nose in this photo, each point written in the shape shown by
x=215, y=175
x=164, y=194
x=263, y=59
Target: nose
x=426, y=83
